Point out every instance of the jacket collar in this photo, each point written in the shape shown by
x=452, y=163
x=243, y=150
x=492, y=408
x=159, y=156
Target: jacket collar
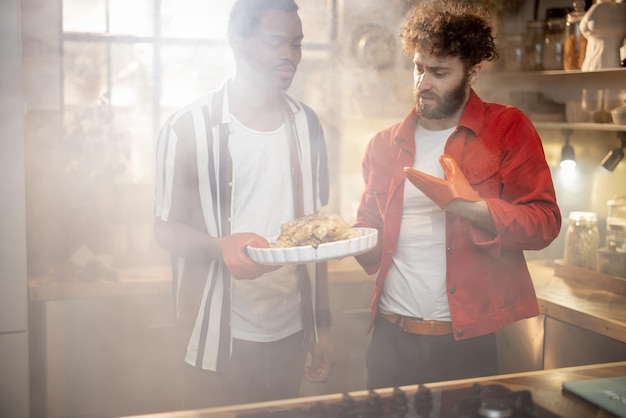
x=471, y=118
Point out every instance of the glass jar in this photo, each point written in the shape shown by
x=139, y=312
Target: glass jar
x=552, y=52
x=582, y=240
x=514, y=53
x=574, y=43
x=616, y=224
x=533, y=45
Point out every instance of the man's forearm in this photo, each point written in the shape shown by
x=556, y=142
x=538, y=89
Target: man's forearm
x=184, y=241
x=477, y=212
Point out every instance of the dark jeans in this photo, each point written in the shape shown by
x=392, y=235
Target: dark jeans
x=258, y=372
x=397, y=358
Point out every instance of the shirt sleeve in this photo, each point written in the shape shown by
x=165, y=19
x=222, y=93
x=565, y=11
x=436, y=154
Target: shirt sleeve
x=524, y=210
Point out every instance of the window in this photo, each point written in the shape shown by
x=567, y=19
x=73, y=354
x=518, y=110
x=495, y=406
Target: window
x=127, y=64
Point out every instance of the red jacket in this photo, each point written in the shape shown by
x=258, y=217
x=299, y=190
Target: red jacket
x=501, y=155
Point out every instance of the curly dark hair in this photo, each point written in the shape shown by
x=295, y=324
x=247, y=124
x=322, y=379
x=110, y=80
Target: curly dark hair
x=244, y=14
x=449, y=28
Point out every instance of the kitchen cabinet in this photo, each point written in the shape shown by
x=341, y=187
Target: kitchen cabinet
x=103, y=348
x=581, y=322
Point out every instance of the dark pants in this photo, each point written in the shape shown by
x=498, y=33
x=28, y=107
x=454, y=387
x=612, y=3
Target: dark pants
x=397, y=358
x=257, y=372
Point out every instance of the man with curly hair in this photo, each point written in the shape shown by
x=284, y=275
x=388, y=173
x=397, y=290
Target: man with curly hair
x=458, y=190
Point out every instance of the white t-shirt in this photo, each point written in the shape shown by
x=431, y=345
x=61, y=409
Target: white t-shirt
x=267, y=308
x=416, y=283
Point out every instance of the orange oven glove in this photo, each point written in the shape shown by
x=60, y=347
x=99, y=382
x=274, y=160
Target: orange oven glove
x=236, y=257
x=454, y=186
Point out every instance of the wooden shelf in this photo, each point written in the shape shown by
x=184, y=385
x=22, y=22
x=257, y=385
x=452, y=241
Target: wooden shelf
x=607, y=127
x=559, y=73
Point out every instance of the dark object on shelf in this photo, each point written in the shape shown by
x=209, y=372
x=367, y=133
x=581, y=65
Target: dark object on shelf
x=612, y=159
x=612, y=262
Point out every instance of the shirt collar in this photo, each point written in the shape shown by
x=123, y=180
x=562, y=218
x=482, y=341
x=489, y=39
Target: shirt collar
x=292, y=104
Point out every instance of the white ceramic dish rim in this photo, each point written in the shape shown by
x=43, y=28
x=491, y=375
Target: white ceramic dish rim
x=324, y=252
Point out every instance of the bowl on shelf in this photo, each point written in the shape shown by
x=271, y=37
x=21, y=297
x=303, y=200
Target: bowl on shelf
x=619, y=114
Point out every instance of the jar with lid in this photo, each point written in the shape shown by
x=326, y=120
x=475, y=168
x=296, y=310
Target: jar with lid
x=574, y=44
x=616, y=223
x=552, y=52
x=582, y=240
x=533, y=45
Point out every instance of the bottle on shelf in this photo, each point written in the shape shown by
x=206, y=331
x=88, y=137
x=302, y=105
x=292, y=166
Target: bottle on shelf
x=533, y=45
x=552, y=52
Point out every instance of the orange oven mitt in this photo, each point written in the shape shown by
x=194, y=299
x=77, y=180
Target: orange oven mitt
x=453, y=186
x=236, y=257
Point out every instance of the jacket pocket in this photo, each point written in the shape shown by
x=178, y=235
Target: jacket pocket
x=379, y=186
x=484, y=175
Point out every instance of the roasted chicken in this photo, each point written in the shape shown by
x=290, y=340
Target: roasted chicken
x=314, y=230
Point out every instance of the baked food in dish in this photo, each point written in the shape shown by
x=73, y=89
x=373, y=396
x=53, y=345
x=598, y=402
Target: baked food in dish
x=314, y=230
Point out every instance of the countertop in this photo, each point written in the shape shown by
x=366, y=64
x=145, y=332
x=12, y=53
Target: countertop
x=583, y=298
x=545, y=387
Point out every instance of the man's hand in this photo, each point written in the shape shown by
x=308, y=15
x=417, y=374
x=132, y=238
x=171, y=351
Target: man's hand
x=235, y=255
x=454, y=185
x=322, y=359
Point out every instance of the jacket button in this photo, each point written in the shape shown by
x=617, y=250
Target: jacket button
x=453, y=290
x=459, y=333
x=449, y=249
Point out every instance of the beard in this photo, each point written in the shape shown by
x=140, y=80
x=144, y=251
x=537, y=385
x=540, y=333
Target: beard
x=445, y=106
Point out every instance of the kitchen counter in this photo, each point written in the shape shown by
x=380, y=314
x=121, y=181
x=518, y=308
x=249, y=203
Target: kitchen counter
x=73, y=321
x=584, y=298
x=147, y=281
x=545, y=387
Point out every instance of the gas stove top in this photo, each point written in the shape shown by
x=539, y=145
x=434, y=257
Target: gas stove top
x=478, y=401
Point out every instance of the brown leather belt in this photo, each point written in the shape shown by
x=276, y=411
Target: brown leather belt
x=416, y=326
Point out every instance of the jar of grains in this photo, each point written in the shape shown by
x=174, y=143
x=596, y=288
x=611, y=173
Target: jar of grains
x=575, y=43
x=582, y=240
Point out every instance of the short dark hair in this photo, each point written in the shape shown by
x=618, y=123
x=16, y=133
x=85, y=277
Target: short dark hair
x=244, y=14
x=449, y=28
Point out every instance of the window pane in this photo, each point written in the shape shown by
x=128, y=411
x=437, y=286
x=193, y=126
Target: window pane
x=84, y=16
x=131, y=75
x=85, y=73
x=131, y=17
x=195, y=18
x=191, y=71
x=131, y=127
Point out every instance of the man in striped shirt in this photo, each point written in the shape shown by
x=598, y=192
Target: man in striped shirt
x=231, y=168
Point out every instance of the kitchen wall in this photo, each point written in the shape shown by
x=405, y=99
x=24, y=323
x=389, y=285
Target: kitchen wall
x=359, y=82
x=14, y=371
